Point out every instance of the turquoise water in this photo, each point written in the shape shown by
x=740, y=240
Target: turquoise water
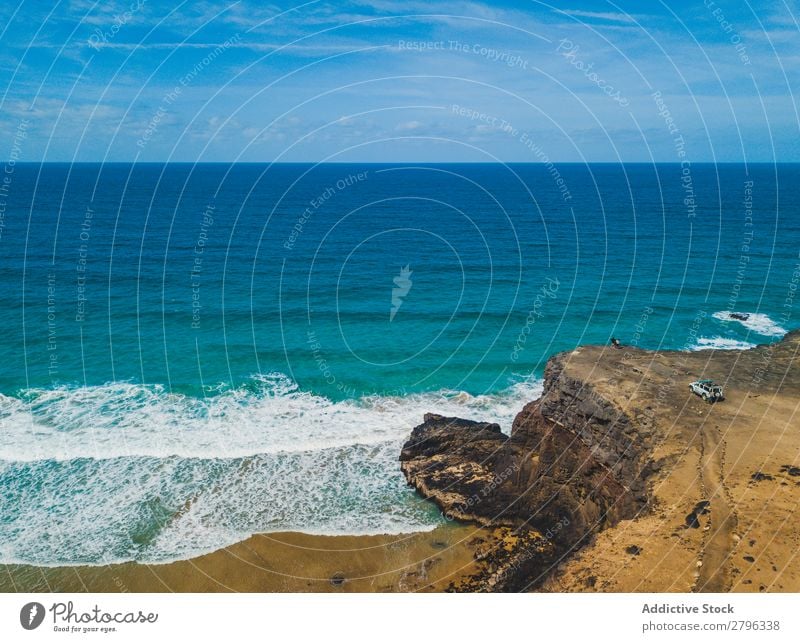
x=195, y=353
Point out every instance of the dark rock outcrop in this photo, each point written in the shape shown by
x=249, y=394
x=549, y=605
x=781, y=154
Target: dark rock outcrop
x=453, y=462
x=574, y=464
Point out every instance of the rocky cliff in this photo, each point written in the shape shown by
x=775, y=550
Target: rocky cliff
x=573, y=464
x=619, y=478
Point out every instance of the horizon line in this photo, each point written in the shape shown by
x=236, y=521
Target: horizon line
x=554, y=162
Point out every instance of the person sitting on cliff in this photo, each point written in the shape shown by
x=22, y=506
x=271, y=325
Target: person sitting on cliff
x=615, y=342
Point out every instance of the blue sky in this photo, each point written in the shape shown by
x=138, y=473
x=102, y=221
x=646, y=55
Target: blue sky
x=385, y=80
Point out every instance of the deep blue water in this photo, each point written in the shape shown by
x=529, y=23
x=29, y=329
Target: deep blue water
x=243, y=339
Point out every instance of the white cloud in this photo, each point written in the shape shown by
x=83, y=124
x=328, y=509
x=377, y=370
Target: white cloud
x=409, y=125
x=600, y=15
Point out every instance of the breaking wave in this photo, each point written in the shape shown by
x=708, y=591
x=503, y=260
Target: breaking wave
x=722, y=343
x=131, y=472
x=754, y=321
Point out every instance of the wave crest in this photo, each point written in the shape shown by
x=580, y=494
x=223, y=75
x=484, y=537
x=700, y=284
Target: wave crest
x=722, y=343
x=755, y=322
x=269, y=415
x=126, y=472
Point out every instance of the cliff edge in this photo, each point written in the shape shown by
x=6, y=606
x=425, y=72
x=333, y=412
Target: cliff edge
x=619, y=478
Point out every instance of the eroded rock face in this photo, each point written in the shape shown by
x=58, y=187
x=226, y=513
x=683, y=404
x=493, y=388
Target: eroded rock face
x=574, y=464
x=452, y=462
x=615, y=439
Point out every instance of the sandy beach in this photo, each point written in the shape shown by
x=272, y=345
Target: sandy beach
x=278, y=562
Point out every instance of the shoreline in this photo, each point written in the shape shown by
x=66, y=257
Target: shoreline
x=278, y=562
x=685, y=495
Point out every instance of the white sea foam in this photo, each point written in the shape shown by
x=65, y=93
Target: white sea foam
x=128, y=472
x=161, y=509
x=756, y=322
x=722, y=343
x=125, y=419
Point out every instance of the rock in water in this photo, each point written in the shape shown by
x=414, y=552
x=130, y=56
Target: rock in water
x=452, y=461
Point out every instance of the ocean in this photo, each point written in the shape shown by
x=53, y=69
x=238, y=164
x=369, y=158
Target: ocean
x=196, y=353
